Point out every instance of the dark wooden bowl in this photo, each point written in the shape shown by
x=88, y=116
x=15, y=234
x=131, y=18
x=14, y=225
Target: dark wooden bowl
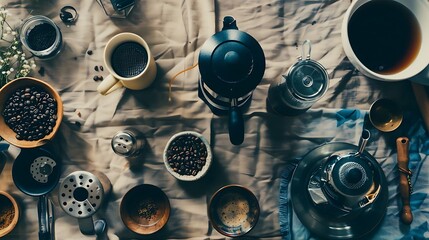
x=233, y=210
x=7, y=200
x=7, y=90
x=145, y=209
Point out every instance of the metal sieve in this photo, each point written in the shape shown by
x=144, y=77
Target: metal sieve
x=81, y=194
x=41, y=168
x=129, y=59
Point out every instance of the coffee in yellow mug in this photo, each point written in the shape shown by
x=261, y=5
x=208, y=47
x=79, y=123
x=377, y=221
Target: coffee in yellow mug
x=130, y=63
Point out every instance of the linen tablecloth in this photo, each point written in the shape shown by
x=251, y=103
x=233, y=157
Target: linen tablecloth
x=175, y=31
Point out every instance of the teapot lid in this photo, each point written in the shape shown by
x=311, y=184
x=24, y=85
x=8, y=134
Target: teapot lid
x=231, y=62
x=352, y=175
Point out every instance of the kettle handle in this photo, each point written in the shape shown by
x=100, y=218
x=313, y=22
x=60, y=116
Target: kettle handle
x=236, y=124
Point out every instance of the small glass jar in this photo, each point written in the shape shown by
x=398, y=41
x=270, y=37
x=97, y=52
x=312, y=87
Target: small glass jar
x=41, y=36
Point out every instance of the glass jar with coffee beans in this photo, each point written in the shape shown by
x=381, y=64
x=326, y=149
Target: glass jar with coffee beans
x=186, y=154
x=31, y=112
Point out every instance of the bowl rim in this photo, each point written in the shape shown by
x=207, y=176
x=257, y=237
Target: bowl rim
x=205, y=168
x=222, y=190
x=15, y=84
x=140, y=188
x=12, y=225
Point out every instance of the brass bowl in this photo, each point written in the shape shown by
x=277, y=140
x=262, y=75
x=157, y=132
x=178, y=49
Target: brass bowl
x=233, y=210
x=145, y=209
x=6, y=200
x=5, y=93
x=385, y=115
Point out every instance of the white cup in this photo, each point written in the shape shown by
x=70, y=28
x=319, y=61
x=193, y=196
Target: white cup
x=420, y=9
x=115, y=81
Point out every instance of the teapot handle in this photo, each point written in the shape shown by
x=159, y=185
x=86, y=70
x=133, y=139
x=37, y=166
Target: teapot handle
x=229, y=23
x=236, y=124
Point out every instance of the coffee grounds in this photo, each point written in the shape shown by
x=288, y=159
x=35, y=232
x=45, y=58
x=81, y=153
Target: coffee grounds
x=147, y=209
x=7, y=212
x=41, y=37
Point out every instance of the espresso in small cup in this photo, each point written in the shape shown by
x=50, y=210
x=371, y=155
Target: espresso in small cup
x=387, y=39
x=130, y=63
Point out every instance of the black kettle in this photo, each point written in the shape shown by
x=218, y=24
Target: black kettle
x=231, y=64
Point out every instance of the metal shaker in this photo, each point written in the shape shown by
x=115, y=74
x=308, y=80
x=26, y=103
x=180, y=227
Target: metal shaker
x=128, y=143
x=81, y=194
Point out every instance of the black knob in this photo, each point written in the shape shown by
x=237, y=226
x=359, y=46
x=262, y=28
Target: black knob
x=353, y=176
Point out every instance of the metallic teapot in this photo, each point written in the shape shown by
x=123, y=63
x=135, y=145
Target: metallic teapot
x=349, y=181
x=339, y=191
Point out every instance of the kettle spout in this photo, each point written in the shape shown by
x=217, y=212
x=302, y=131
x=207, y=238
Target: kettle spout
x=229, y=23
x=363, y=141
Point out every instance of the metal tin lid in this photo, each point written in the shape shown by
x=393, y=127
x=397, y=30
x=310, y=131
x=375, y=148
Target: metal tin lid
x=81, y=194
x=231, y=62
x=124, y=143
x=307, y=79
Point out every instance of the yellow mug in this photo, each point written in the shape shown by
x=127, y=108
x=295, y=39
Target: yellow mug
x=130, y=63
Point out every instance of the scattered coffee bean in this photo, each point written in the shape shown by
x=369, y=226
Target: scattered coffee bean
x=41, y=71
x=89, y=52
x=97, y=78
x=187, y=154
x=31, y=113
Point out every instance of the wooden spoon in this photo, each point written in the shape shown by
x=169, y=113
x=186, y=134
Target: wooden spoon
x=404, y=179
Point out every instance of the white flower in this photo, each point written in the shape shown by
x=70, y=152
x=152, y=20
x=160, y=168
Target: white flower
x=11, y=69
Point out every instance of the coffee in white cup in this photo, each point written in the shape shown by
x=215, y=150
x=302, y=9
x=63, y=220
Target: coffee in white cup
x=387, y=40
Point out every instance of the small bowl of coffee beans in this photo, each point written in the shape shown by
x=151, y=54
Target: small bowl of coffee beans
x=30, y=112
x=187, y=156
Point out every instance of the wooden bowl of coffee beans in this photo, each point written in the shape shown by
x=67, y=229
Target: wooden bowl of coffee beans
x=187, y=156
x=30, y=112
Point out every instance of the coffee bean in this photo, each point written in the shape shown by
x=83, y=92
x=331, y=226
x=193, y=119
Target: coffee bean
x=185, y=154
x=23, y=113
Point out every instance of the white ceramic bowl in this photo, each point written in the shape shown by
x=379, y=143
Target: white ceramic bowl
x=205, y=167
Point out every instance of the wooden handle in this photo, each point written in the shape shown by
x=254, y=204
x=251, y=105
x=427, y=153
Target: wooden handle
x=404, y=174
x=422, y=100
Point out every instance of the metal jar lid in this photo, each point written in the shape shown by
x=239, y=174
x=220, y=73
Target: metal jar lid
x=127, y=143
x=81, y=194
x=307, y=79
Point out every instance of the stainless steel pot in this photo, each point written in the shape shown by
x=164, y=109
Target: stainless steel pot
x=332, y=209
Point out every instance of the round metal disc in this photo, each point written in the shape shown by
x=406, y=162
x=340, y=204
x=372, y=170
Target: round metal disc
x=324, y=220
x=41, y=168
x=81, y=194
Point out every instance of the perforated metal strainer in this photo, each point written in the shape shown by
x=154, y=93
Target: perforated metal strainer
x=81, y=194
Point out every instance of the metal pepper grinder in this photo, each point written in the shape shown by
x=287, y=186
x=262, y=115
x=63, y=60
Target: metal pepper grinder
x=81, y=194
